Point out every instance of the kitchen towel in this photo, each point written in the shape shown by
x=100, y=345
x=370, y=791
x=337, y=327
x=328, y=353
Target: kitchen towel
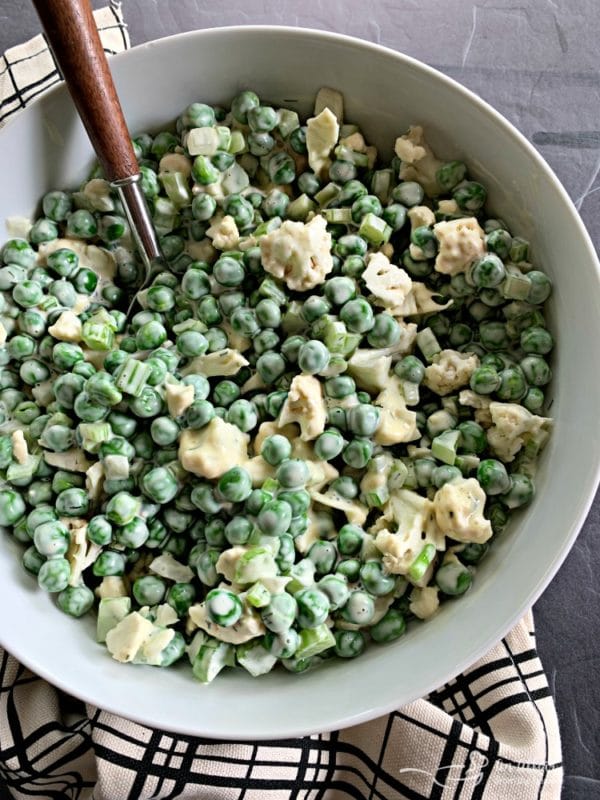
x=490, y=734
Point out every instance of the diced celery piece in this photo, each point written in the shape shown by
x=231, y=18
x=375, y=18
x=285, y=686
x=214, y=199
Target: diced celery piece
x=258, y=596
x=381, y=184
x=255, y=564
x=337, y=338
x=237, y=143
x=302, y=575
x=97, y=332
x=327, y=194
x=235, y=179
x=403, y=476
x=293, y=321
x=374, y=229
x=443, y=447
x=410, y=392
x=176, y=186
x=224, y=135
x=132, y=376
x=255, y=658
x=377, y=497
x=519, y=249
x=428, y=344
x=164, y=215
x=314, y=641
x=288, y=121
x=267, y=226
x=111, y=611
x=300, y=208
x=202, y=142
x=17, y=472
x=516, y=286
x=467, y=463
x=420, y=565
x=339, y=216
x=93, y=434
x=269, y=289
x=211, y=658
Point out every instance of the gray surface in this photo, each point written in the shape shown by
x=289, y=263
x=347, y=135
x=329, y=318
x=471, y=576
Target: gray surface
x=538, y=63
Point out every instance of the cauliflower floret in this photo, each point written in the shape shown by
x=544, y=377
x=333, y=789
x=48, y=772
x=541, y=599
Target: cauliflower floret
x=512, y=426
x=175, y=162
x=389, y=284
x=259, y=470
x=214, y=449
x=125, y=639
x=412, y=518
x=101, y=261
x=481, y=404
x=179, y=398
x=81, y=552
x=305, y=405
x=322, y=134
x=449, y=207
x=201, y=251
x=450, y=371
x=168, y=567
x=355, y=512
x=249, y=625
x=459, y=511
x=418, y=160
x=298, y=253
x=96, y=195
x=94, y=481
x=227, y=561
x=73, y=460
x=420, y=216
x=67, y=327
x=19, y=447
x=461, y=241
x=370, y=371
x=217, y=364
x=224, y=233
x=419, y=301
x=424, y=602
x=111, y=586
x=398, y=424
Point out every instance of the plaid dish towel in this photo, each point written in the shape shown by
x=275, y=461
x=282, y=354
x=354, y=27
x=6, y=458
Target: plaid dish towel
x=490, y=734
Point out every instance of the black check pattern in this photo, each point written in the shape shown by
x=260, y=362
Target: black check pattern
x=492, y=732
x=28, y=69
x=489, y=734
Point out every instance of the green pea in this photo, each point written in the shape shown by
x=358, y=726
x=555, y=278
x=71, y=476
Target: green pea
x=473, y=552
x=349, y=568
x=244, y=321
x=133, y=534
x=75, y=600
x=313, y=357
x=470, y=195
x=275, y=517
x=323, y=555
x=238, y=530
x=520, y=493
x=498, y=242
x=54, y=574
x=282, y=645
x=366, y=204
x=359, y=608
x=72, y=503
x=450, y=174
x=536, y=370
x=453, y=578
x=488, y=271
x=484, y=380
x=56, y=206
x=19, y=252
x=99, y=530
x=357, y=453
x=313, y=607
x=292, y=473
x=534, y=400
x=160, y=485
x=278, y=616
x=513, y=384
x=203, y=497
x=375, y=580
x=223, y=607
x=472, y=437
x=425, y=239
x=149, y=590
x=329, y=444
x=199, y=414
x=493, y=477
x=363, y=420
x=242, y=414
x=357, y=315
x=339, y=387
x=540, y=287
x=180, y=597
x=81, y=225
x=32, y=560
x=444, y=474
x=270, y=366
x=12, y=507
x=349, y=644
x=235, y=485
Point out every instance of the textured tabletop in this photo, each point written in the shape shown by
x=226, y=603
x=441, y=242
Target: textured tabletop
x=538, y=63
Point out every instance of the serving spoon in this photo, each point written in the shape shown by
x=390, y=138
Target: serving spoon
x=73, y=38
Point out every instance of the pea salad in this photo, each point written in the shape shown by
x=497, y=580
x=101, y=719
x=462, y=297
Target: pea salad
x=321, y=414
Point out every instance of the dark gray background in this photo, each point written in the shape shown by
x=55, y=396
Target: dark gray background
x=538, y=63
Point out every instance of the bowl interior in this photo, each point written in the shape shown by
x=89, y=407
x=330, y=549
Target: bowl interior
x=45, y=148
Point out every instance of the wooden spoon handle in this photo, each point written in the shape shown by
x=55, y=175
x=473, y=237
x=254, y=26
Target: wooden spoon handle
x=74, y=40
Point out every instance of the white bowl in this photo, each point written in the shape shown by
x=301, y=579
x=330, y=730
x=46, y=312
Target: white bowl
x=45, y=148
